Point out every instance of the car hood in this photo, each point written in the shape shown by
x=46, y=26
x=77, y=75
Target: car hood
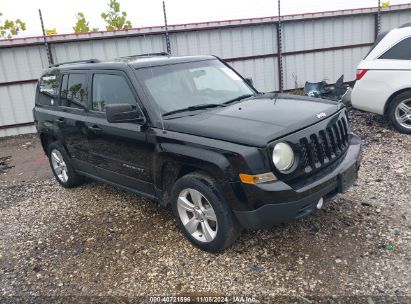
x=255, y=121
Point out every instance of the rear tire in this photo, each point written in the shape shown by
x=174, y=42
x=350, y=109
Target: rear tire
x=202, y=213
x=62, y=168
x=399, y=112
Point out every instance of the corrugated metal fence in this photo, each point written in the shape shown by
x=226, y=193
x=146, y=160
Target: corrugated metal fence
x=315, y=47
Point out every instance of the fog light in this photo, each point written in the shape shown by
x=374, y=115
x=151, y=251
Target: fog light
x=320, y=203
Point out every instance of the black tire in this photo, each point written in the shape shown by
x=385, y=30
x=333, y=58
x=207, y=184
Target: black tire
x=74, y=179
x=392, y=109
x=228, y=228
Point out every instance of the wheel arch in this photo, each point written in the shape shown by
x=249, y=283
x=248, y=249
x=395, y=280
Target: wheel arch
x=392, y=97
x=46, y=139
x=179, y=161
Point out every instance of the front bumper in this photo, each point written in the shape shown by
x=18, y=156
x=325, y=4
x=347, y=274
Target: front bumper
x=282, y=203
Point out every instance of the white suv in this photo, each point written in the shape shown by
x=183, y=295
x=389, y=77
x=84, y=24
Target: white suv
x=383, y=83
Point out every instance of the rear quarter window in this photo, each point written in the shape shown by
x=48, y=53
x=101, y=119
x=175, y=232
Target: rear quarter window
x=74, y=91
x=48, y=89
x=400, y=51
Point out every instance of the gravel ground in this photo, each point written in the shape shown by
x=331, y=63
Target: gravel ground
x=97, y=240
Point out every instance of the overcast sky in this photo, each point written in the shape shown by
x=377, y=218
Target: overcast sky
x=59, y=14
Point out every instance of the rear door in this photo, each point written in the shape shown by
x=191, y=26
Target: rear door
x=71, y=118
x=119, y=151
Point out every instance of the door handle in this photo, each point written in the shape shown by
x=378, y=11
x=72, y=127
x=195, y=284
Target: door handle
x=60, y=121
x=95, y=129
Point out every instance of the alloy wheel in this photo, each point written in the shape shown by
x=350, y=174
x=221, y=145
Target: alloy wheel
x=403, y=113
x=197, y=215
x=59, y=165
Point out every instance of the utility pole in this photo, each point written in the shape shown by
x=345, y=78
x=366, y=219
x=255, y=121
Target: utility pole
x=279, y=48
x=49, y=57
x=166, y=34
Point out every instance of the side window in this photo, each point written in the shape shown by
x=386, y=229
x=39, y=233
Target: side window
x=75, y=96
x=48, y=89
x=401, y=51
x=110, y=89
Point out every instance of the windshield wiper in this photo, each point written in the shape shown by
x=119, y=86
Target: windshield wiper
x=241, y=97
x=196, y=107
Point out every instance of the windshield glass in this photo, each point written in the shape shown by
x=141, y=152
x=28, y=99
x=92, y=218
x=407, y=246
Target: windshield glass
x=183, y=85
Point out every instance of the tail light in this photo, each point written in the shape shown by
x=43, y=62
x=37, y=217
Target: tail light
x=360, y=74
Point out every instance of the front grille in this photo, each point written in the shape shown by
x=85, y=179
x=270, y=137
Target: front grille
x=324, y=146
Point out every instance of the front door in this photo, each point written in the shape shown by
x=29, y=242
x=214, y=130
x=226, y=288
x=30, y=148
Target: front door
x=119, y=151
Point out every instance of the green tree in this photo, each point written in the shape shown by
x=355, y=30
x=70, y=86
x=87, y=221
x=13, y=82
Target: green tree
x=385, y=4
x=11, y=28
x=52, y=31
x=82, y=26
x=115, y=19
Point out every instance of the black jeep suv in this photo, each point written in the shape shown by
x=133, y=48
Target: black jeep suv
x=191, y=132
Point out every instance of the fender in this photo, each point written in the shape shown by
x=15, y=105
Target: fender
x=172, y=158
x=212, y=162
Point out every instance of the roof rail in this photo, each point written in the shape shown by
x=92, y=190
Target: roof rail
x=145, y=55
x=74, y=62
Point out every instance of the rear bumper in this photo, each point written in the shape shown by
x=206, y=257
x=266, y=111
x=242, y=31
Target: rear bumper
x=281, y=203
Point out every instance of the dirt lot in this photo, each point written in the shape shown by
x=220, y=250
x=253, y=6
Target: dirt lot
x=97, y=240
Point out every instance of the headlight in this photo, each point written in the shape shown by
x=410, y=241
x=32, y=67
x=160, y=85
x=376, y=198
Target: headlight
x=283, y=156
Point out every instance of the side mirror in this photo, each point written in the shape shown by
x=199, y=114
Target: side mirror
x=122, y=113
x=249, y=81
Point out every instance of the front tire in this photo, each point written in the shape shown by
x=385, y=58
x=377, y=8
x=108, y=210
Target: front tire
x=202, y=213
x=400, y=112
x=62, y=168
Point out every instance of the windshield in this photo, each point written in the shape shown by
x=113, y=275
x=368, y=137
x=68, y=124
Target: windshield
x=184, y=85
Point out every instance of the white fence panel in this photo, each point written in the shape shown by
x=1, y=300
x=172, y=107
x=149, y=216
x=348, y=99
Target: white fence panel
x=16, y=103
x=315, y=67
x=263, y=71
x=227, y=42
x=22, y=63
x=325, y=33
x=108, y=48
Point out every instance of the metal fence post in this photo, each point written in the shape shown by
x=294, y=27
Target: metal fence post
x=166, y=34
x=46, y=44
x=279, y=49
x=378, y=20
